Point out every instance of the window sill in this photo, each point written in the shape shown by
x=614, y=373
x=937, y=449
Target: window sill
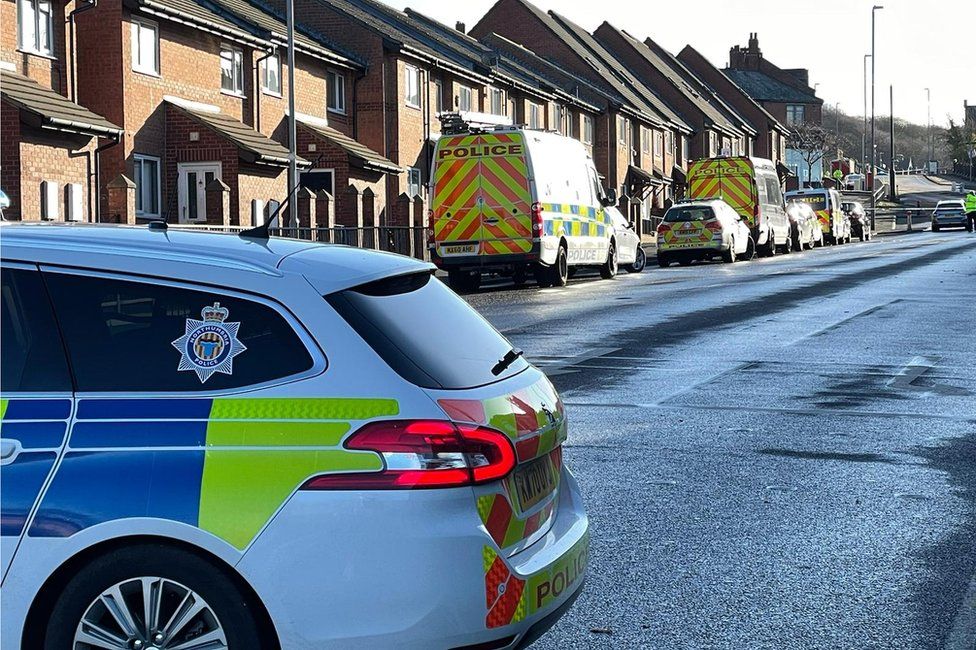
x=231, y=93
x=413, y=106
x=264, y=91
x=147, y=73
x=43, y=55
x=337, y=111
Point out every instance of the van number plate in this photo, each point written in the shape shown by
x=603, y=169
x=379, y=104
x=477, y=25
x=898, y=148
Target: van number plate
x=534, y=482
x=459, y=249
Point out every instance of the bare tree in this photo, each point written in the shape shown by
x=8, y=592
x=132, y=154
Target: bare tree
x=813, y=142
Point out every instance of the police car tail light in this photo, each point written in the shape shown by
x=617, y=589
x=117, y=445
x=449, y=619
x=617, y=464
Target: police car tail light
x=536, y=219
x=425, y=454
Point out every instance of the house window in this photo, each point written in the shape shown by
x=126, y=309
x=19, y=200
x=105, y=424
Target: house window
x=145, y=47
x=271, y=75
x=535, y=116
x=336, y=92
x=465, y=98
x=438, y=96
x=36, y=20
x=658, y=144
x=498, y=105
x=561, y=118
x=587, y=129
x=621, y=131
x=685, y=150
x=413, y=182
x=231, y=70
x=645, y=140
x=146, y=176
x=712, y=144
x=795, y=114
x=412, y=86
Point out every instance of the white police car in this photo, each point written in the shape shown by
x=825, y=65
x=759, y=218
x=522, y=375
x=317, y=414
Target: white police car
x=212, y=441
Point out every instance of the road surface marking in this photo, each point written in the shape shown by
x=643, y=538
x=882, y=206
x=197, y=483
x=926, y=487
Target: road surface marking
x=565, y=366
x=963, y=633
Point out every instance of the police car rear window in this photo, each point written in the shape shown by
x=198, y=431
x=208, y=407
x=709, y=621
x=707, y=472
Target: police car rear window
x=135, y=336
x=688, y=214
x=425, y=332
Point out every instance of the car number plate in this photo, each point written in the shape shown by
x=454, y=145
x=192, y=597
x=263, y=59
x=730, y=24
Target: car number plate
x=459, y=249
x=534, y=482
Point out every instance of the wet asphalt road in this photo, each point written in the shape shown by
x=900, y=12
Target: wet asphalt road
x=775, y=454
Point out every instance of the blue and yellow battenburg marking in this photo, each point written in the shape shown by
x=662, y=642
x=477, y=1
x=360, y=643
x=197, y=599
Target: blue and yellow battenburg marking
x=223, y=465
x=38, y=426
x=575, y=220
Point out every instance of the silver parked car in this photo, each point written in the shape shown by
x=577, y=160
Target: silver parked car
x=949, y=214
x=807, y=233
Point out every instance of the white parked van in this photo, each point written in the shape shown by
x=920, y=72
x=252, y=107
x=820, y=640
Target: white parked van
x=512, y=200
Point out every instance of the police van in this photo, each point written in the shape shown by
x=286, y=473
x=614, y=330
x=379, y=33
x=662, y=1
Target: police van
x=515, y=201
x=752, y=187
x=826, y=203
x=213, y=441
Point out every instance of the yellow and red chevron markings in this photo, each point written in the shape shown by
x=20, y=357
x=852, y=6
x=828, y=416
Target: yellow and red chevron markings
x=681, y=234
x=727, y=179
x=483, y=197
x=504, y=593
x=824, y=217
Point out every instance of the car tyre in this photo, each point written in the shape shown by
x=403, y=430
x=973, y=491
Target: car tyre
x=464, y=281
x=125, y=576
x=542, y=276
x=663, y=260
x=559, y=271
x=640, y=261
x=935, y=227
x=729, y=256
x=769, y=249
x=609, y=269
x=519, y=277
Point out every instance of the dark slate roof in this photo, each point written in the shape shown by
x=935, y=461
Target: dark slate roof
x=764, y=88
x=253, y=145
x=683, y=81
x=396, y=27
x=51, y=109
x=693, y=53
x=359, y=154
x=272, y=23
x=205, y=16
x=502, y=67
x=635, y=94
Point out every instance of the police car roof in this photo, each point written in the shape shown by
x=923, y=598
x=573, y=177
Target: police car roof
x=183, y=254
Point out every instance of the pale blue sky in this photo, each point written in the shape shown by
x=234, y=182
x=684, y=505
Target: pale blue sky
x=919, y=44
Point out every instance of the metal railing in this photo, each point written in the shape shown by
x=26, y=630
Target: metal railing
x=404, y=240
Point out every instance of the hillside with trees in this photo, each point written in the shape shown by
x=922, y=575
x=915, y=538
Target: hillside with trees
x=912, y=143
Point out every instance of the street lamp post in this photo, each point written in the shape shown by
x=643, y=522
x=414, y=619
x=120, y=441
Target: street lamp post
x=292, y=135
x=928, y=126
x=874, y=59
x=864, y=131
x=837, y=129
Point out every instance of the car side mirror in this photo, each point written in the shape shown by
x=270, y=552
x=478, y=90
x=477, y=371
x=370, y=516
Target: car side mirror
x=610, y=197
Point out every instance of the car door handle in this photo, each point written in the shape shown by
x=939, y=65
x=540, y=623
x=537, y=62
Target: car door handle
x=9, y=450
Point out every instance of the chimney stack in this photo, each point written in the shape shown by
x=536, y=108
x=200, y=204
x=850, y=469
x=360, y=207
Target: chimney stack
x=459, y=26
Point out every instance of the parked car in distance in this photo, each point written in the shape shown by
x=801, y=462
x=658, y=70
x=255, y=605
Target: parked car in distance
x=949, y=214
x=806, y=227
x=630, y=254
x=703, y=230
x=858, y=217
x=854, y=182
x=834, y=223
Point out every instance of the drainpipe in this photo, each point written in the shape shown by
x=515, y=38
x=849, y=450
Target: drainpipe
x=257, y=86
x=355, y=104
x=98, y=175
x=73, y=61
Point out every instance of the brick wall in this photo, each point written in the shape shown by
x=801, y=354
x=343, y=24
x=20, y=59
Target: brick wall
x=51, y=72
x=10, y=157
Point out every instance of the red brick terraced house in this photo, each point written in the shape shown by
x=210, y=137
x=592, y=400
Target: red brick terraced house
x=200, y=89
x=640, y=140
x=771, y=140
x=717, y=129
x=50, y=146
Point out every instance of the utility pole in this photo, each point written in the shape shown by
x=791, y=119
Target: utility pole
x=292, y=135
x=874, y=154
x=892, y=192
x=837, y=129
x=864, y=131
x=928, y=126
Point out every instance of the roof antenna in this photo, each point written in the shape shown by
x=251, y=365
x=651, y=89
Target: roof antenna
x=264, y=230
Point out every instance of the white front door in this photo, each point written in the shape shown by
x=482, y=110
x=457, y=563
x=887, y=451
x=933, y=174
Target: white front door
x=192, y=189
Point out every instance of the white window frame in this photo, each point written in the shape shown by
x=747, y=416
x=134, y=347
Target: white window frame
x=438, y=96
x=414, y=172
x=141, y=27
x=795, y=114
x=534, y=116
x=266, y=64
x=237, y=74
x=499, y=94
x=587, y=129
x=335, y=92
x=622, y=129
x=140, y=186
x=658, y=144
x=465, y=98
x=411, y=78
x=645, y=140
x=35, y=47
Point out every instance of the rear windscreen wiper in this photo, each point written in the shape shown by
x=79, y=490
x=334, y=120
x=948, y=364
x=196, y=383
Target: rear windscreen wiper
x=506, y=361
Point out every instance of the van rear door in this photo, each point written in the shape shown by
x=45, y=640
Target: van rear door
x=731, y=180
x=481, y=198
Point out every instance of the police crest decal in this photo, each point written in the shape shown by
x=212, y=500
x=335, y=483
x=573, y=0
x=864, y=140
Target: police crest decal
x=209, y=345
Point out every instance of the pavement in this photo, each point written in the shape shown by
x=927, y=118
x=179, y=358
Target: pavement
x=774, y=454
